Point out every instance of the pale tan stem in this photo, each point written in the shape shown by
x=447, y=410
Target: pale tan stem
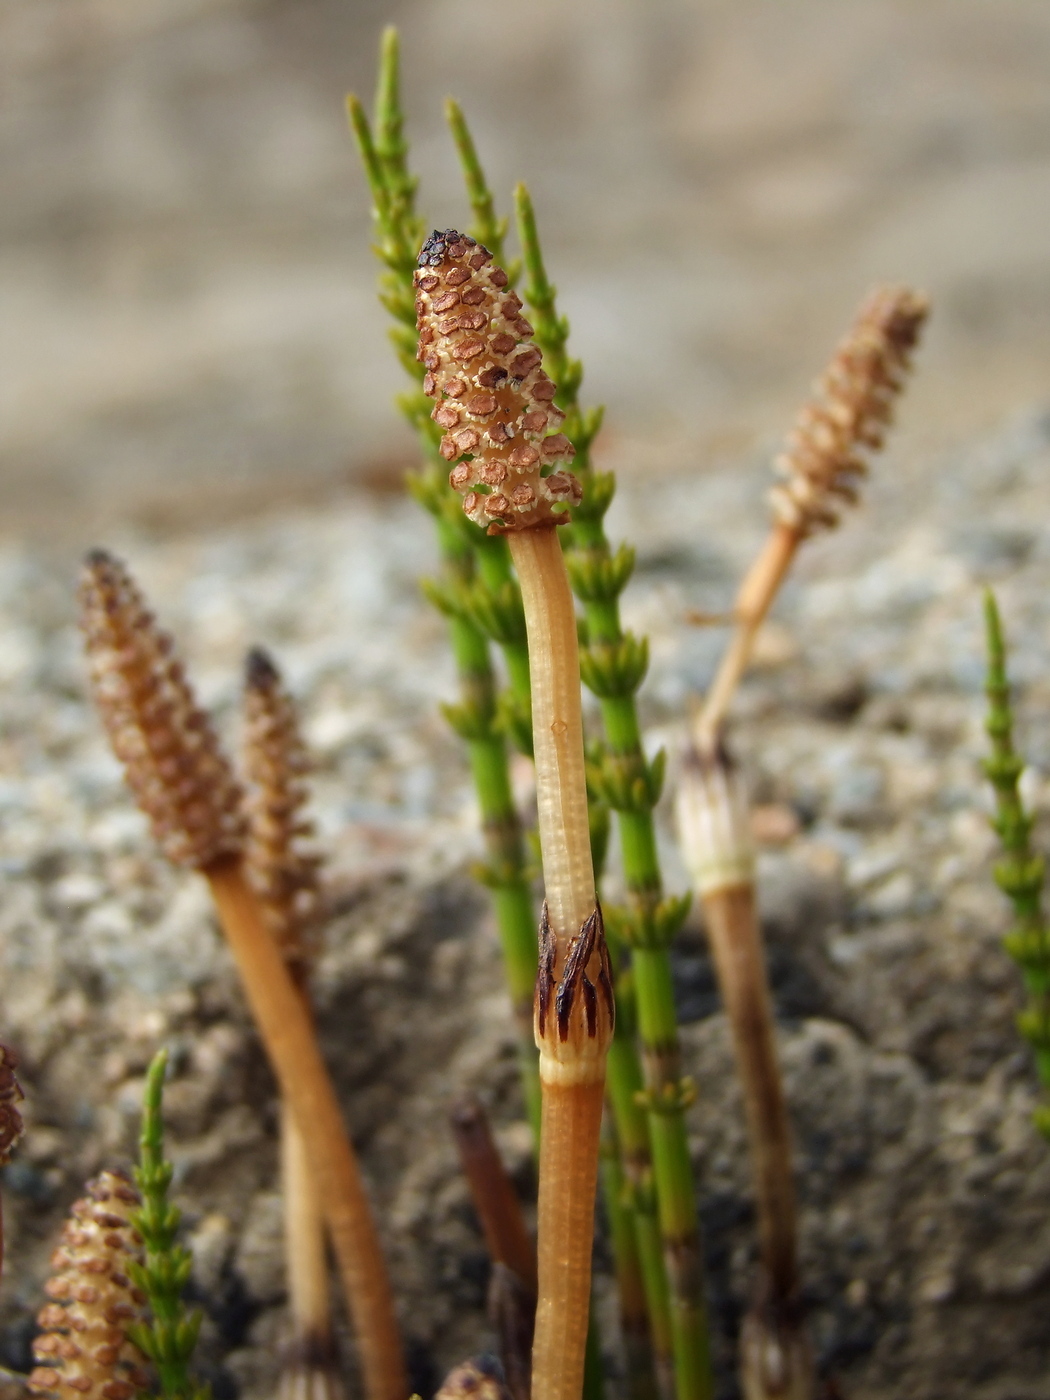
x=304, y=1238
x=557, y=722
x=574, y=1004
x=736, y=945
x=291, y=1045
x=714, y=828
x=572, y=1115
x=754, y=600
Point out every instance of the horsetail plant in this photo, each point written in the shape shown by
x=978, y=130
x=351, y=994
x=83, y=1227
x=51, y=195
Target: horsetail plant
x=282, y=868
x=1021, y=872
x=169, y=1336
x=640, y=1365
x=476, y=591
x=84, y=1351
x=187, y=789
x=822, y=467
x=491, y=388
x=776, y=1360
x=613, y=665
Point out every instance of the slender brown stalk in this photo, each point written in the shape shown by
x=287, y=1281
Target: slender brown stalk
x=776, y=1360
x=822, y=466
x=288, y=1034
x=492, y=1191
x=283, y=869
x=11, y=1126
x=176, y=769
x=512, y=1313
x=496, y=405
x=512, y=1286
x=310, y=1364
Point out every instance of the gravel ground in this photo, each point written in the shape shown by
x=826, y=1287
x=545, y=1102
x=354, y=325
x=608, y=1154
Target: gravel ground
x=925, y=1190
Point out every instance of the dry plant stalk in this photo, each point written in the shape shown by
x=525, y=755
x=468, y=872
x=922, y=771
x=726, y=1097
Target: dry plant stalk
x=187, y=789
x=512, y=1315
x=496, y=404
x=776, y=1360
x=512, y=1286
x=822, y=466
x=82, y=1350
x=11, y=1126
x=282, y=868
x=492, y=1191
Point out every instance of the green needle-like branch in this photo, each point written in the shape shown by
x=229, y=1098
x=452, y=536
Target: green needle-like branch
x=487, y=227
x=1020, y=874
x=171, y=1335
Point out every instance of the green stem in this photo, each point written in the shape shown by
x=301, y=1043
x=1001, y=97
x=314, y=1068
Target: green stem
x=1021, y=872
x=624, y=1087
x=169, y=1338
x=614, y=664
x=487, y=227
x=630, y=1280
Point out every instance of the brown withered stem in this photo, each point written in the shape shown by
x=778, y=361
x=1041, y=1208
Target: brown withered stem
x=82, y=1350
x=186, y=787
x=492, y=1191
x=11, y=1126
x=282, y=868
x=512, y=1287
x=512, y=1313
x=822, y=466
x=714, y=828
x=496, y=404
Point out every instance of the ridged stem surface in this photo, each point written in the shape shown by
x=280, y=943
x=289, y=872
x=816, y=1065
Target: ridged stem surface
x=291, y=1046
x=557, y=723
x=572, y=1115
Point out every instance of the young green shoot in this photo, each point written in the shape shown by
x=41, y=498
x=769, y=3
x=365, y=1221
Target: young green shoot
x=1021, y=872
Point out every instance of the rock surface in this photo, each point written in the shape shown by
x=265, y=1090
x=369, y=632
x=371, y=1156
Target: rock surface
x=925, y=1190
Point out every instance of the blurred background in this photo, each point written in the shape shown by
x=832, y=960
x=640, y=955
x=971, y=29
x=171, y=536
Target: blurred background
x=188, y=328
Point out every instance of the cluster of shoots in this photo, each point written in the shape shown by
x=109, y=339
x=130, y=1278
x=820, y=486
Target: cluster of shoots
x=530, y=585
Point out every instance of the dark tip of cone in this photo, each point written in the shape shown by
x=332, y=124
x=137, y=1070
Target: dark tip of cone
x=99, y=559
x=260, y=672
x=467, y=1113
